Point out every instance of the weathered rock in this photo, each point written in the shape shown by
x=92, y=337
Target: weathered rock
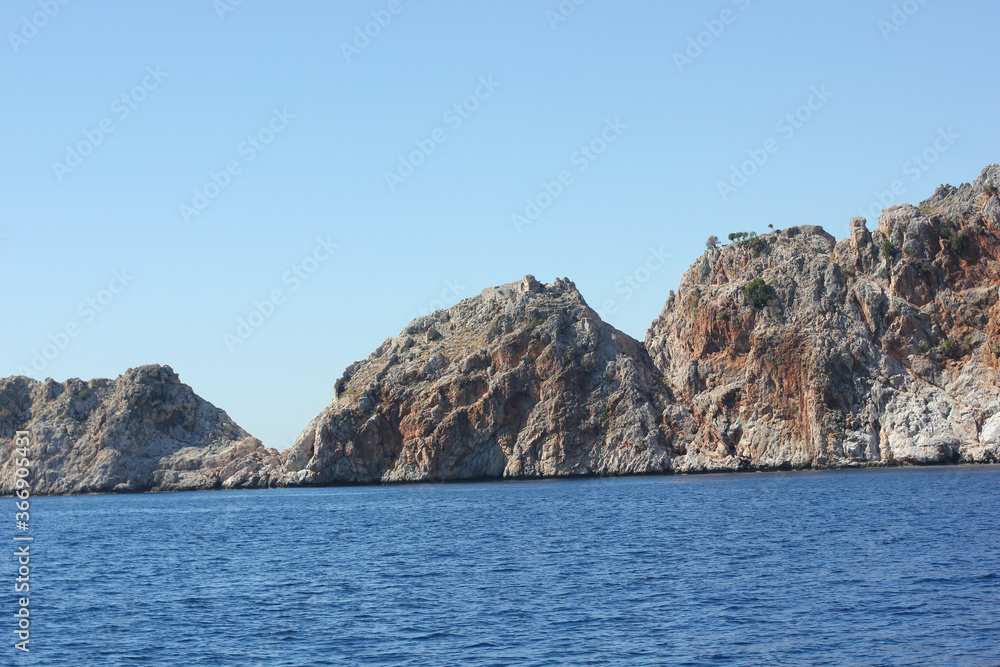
x=143, y=431
x=877, y=349
x=524, y=380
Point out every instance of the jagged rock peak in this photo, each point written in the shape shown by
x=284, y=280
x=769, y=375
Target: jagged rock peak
x=522, y=380
x=881, y=348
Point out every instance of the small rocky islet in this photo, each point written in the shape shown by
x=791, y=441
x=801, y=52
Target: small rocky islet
x=789, y=350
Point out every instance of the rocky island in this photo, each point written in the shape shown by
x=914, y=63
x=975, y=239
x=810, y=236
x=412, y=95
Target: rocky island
x=787, y=350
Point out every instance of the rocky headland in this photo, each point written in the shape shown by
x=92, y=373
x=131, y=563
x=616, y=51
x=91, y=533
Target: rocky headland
x=143, y=431
x=786, y=350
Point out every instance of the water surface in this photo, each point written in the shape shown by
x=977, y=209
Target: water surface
x=871, y=567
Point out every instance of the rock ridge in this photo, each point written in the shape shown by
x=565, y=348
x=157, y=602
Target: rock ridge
x=787, y=350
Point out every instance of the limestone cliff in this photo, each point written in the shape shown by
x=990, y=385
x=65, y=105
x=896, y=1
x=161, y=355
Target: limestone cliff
x=524, y=380
x=143, y=431
x=881, y=348
x=787, y=350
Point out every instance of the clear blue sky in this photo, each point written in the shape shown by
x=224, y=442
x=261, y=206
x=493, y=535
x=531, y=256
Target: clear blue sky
x=310, y=128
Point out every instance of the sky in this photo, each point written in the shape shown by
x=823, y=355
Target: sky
x=257, y=193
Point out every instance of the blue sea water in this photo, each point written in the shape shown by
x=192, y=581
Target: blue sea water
x=861, y=567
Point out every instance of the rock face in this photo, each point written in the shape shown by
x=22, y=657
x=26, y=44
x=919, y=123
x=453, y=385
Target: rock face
x=524, y=380
x=144, y=431
x=788, y=350
x=878, y=349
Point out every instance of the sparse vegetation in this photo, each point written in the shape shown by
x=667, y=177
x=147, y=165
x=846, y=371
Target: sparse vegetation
x=990, y=189
x=996, y=350
x=954, y=243
x=5, y=414
x=953, y=348
x=588, y=363
x=83, y=394
x=694, y=299
x=759, y=293
x=748, y=240
x=462, y=381
x=922, y=347
x=889, y=251
x=712, y=242
x=958, y=243
x=722, y=315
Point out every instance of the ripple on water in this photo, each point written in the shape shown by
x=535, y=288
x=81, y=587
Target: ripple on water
x=877, y=567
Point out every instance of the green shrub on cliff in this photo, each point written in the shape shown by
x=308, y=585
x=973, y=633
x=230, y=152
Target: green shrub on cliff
x=952, y=347
x=958, y=243
x=759, y=293
x=888, y=251
x=694, y=299
x=755, y=243
x=954, y=243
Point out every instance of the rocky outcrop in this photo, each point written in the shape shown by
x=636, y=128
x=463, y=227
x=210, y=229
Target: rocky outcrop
x=787, y=350
x=795, y=350
x=524, y=380
x=143, y=431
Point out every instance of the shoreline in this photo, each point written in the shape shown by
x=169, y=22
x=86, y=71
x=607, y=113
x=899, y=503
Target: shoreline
x=547, y=478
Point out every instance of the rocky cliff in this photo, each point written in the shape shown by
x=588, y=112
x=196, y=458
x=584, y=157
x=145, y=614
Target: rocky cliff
x=523, y=380
x=143, y=431
x=795, y=350
x=786, y=350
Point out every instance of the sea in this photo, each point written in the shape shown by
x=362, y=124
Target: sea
x=850, y=567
